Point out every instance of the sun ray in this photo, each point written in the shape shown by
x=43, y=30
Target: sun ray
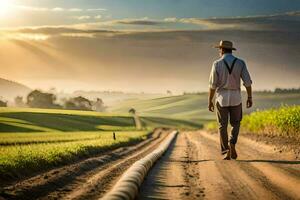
x=5, y=7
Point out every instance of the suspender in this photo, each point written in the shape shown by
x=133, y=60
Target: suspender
x=232, y=65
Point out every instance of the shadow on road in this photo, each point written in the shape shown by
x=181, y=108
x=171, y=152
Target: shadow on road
x=190, y=161
x=293, y=162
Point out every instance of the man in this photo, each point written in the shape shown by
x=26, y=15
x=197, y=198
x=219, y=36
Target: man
x=225, y=77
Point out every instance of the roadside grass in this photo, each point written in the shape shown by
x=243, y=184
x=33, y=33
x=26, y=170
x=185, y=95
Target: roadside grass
x=283, y=122
x=211, y=126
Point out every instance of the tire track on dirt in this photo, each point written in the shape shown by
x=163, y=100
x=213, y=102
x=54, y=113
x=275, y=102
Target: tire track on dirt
x=260, y=174
x=172, y=177
x=193, y=169
x=233, y=181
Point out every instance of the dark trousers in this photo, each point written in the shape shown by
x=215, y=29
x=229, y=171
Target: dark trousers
x=235, y=116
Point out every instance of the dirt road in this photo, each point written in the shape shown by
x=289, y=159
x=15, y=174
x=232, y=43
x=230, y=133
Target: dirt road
x=193, y=168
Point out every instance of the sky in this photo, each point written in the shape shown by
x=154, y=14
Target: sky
x=146, y=46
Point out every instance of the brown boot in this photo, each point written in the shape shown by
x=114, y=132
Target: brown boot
x=233, y=153
x=227, y=156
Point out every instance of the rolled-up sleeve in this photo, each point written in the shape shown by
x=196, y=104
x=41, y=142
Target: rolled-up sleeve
x=213, y=78
x=246, y=76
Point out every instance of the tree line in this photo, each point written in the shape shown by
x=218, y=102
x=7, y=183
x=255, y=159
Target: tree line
x=39, y=99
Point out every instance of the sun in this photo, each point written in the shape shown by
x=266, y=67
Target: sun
x=5, y=6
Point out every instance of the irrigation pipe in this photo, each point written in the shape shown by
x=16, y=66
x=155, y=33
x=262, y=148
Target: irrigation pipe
x=128, y=185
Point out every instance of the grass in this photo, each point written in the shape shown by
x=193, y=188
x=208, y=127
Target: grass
x=284, y=121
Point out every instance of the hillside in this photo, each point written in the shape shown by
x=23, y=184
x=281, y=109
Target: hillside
x=45, y=120
x=114, y=97
x=10, y=89
x=194, y=107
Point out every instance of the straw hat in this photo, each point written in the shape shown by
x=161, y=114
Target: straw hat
x=225, y=45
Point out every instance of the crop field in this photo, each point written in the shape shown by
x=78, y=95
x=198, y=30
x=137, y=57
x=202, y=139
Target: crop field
x=35, y=151
x=283, y=121
x=33, y=140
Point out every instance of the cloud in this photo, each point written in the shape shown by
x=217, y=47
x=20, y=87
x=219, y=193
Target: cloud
x=75, y=10
x=48, y=32
x=96, y=9
x=55, y=9
x=79, y=35
x=171, y=19
x=147, y=57
x=144, y=28
x=83, y=17
x=25, y=36
x=144, y=21
x=289, y=21
x=280, y=22
x=111, y=58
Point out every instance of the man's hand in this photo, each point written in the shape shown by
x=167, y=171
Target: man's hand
x=211, y=106
x=249, y=102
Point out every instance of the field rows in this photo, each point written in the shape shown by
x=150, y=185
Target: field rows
x=33, y=140
x=71, y=146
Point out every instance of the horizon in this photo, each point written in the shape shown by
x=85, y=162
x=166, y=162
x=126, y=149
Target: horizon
x=146, y=47
x=54, y=90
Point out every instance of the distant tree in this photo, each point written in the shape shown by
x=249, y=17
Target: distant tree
x=3, y=103
x=70, y=105
x=287, y=90
x=137, y=121
x=169, y=92
x=98, y=105
x=38, y=99
x=78, y=103
x=19, y=102
x=132, y=111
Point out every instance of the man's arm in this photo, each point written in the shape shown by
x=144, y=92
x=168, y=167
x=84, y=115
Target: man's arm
x=249, y=99
x=247, y=83
x=212, y=87
x=210, y=99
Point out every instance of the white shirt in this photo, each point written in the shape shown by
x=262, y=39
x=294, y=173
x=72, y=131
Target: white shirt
x=228, y=86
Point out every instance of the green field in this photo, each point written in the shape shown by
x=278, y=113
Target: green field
x=33, y=140
x=194, y=107
x=283, y=122
x=47, y=120
x=38, y=151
